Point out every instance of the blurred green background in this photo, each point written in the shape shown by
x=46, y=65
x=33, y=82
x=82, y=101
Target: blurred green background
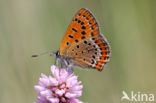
x=33, y=26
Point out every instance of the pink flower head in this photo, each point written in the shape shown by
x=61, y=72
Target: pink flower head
x=63, y=87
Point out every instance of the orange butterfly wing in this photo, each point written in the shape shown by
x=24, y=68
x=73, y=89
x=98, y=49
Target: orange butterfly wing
x=85, y=27
x=82, y=26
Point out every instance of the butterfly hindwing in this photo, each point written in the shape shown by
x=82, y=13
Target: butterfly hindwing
x=90, y=53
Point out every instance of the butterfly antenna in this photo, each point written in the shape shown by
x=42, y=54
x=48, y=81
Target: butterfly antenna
x=37, y=55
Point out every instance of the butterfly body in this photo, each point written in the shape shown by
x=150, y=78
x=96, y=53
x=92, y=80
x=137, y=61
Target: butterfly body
x=83, y=45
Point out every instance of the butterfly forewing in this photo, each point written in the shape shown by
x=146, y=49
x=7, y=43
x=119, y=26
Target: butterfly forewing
x=82, y=26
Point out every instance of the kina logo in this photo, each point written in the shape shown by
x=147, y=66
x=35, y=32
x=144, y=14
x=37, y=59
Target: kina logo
x=137, y=96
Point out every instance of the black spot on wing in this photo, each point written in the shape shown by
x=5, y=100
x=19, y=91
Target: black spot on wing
x=85, y=42
x=83, y=37
x=76, y=41
x=82, y=23
x=74, y=29
x=78, y=46
x=83, y=32
x=83, y=27
x=70, y=36
x=67, y=43
x=79, y=21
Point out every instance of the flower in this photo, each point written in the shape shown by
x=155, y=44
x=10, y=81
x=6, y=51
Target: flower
x=62, y=87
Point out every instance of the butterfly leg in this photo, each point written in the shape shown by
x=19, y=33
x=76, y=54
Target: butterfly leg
x=56, y=62
x=70, y=70
x=65, y=65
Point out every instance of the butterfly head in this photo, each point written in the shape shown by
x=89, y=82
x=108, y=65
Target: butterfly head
x=65, y=61
x=56, y=54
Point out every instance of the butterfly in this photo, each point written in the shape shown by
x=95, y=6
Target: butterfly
x=83, y=45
